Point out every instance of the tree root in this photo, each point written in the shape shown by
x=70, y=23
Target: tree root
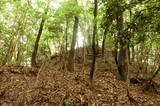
x=152, y=87
x=131, y=99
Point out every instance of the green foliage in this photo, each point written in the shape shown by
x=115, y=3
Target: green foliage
x=20, y=18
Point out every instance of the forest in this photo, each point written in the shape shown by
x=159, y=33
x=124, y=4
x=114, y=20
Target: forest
x=79, y=52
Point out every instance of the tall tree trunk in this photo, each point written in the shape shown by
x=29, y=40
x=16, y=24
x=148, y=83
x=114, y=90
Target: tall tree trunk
x=89, y=37
x=129, y=54
x=97, y=45
x=123, y=53
x=104, y=43
x=115, y=53
x=70, y=65
x=133, y=54
x=66, y=32
x=129, y=31
x=19, y=54
x=36, y=45
x=50, y=53
x=93, y=40
x=64, y=66
x=123, y=63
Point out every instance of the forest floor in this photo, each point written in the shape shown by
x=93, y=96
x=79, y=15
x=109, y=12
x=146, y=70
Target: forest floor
x=50, y=86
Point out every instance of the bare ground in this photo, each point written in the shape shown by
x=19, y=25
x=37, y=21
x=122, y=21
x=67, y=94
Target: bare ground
x=52, y=86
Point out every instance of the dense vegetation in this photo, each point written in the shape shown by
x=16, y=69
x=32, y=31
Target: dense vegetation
x=34, y=32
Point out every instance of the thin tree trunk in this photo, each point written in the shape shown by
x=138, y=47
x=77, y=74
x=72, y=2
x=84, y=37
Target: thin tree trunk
x=19, y=54
x=50, y=53
x=65, y=45
x=89, y=38
x=133, y=54
x=11, y=49
x=70, y=65
x=83, y=30
x=129, y=55
x=19, y=48
x=93, y=41
x=97, y=45
x=84, y=59
x=36, y=45
x=116, y=51
x=8, y=52
x=104, y=43
x=66, y=33
x=130, y=31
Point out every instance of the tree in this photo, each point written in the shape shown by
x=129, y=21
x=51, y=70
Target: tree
x=123, y=53
x=127, y=28
x=94, y=40
x=104, y=43
x=70, y=65
x=35, y=49
x=66, y=33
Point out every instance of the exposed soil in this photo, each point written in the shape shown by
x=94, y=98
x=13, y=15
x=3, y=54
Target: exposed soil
x=49, y=85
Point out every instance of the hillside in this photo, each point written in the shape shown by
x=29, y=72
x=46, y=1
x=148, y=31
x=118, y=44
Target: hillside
x=79, y=52
x=49, y=85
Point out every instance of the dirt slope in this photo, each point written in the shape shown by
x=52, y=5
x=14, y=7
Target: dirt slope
x=51, y=86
